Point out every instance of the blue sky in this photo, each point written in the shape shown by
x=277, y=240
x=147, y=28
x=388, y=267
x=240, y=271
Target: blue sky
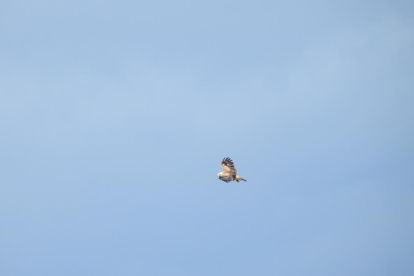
x=115, y=116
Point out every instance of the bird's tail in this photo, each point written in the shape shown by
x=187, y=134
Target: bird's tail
x=239, y=178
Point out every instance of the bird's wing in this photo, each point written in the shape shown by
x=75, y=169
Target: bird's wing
x=228, y=166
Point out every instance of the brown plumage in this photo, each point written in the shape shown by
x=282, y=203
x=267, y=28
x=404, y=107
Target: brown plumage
x=229, y=172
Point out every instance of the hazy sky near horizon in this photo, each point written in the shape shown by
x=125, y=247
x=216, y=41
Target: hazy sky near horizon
x=115, y=116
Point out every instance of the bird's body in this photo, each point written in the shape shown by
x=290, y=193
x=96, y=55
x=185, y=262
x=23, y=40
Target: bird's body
x=229, y=172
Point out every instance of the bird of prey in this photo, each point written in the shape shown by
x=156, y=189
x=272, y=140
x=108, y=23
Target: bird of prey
x=229, y=172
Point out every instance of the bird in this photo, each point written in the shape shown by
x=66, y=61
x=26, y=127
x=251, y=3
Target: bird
x=229, y=172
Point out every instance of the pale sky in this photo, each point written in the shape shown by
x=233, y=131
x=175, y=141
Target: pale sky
x=115, y=116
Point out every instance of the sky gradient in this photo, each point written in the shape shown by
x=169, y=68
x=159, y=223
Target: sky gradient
x=115, y=116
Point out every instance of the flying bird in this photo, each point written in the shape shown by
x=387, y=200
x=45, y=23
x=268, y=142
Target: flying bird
x=229, y=172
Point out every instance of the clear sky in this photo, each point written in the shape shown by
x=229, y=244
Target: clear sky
x=115, y=116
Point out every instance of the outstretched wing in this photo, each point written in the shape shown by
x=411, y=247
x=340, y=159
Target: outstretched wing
x=228, y=166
